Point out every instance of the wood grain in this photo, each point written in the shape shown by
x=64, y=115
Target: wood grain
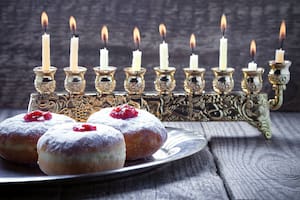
x=20, y=39
x=255, y=168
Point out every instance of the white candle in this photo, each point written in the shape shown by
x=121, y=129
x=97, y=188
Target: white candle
x=252, y=66
x=223, y=54
x=45, y=44
x=74, y=53
x=163, y=49
x=223, y=45
x=163, y=55
x=104, y=51
x=194, y=61
x=74, y=43
x=193, y=57
x=103, y=58
x=279, y=56
x=45, y=52
x=136, y=60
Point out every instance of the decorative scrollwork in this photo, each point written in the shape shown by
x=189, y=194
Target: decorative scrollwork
x=235, y=106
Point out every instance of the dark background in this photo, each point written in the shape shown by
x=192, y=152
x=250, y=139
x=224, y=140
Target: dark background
x=20, y=39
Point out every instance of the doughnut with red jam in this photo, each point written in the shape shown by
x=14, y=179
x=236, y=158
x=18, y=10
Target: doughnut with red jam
x=144, y=133
x=19, y=134
x=80, y=148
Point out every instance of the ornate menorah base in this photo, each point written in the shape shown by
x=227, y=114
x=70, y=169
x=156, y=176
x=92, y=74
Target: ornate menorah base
x=236, y=106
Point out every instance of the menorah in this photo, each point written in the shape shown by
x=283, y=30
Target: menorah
x=195, y=104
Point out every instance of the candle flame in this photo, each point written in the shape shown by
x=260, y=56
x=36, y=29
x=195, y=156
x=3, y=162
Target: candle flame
x=44, y=19
x=104, y=33
x=282, y=32
x=193, y=41
x=72, y=23
x=252, y=48
x=136, y=36
x=162, y=30
x=223, y=23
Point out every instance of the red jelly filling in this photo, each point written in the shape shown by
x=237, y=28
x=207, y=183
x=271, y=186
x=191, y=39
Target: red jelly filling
x=84, y=127
x=124, y=112
x=37, y=115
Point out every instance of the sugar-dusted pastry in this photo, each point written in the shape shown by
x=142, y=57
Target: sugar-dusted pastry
x=80, y=148
x=19, y=134
x=144, y=133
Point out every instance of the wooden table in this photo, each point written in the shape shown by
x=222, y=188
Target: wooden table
x=238, y=163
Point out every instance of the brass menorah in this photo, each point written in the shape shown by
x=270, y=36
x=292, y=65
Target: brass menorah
x=222, y=104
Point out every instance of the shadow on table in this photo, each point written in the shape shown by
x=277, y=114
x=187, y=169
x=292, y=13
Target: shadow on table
x=198, y=166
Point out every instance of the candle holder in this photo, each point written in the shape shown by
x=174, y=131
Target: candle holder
x=74, y=81
x=279, y=76
x=105, y=82
x=44, y=82
x=252, y=81
x=194, y=82
x=251, y=106
x=134, y=82
x=165, y=82
x=223, y=82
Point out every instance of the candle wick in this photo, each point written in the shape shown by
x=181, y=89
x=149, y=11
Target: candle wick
x=223, y=32
x=45, y=29
x=105, y=44
x=164, y=37
x=193, y=50
x=281, y=43
x=74, y=33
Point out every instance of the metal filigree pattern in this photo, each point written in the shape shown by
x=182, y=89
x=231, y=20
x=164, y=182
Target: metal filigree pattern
x=237, y=106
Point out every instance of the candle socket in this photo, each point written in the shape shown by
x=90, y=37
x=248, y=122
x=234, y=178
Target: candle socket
x=44, y=82
x=165, y=82
x=105, y=82
x=134, y=82
x=279, y=76
x=223, y=82
x=252, y=80
x=194, y=82
x=74, y=81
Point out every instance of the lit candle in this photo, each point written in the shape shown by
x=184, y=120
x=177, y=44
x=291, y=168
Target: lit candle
x=279, y=54
x=193, y=57
x=252, y=65
x=73, y=46
x=223, y=46
x=163, y=48
x=137, y=54
x=45, y=44
x=104, y=51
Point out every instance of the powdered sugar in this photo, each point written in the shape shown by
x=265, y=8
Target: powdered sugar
x=62, y=138
x=18, y=125
x=144, y=121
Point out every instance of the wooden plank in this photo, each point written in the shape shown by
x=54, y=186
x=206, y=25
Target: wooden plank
x=255, y=168
x=194, y=177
